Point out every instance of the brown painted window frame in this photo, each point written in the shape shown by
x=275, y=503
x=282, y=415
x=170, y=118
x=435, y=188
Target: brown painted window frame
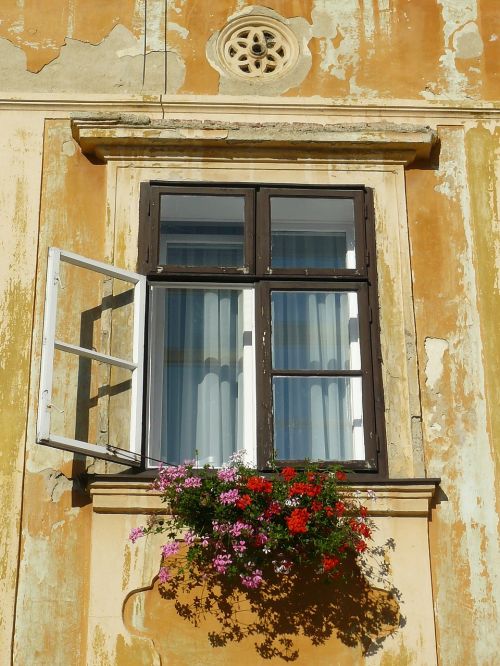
x=257, y=270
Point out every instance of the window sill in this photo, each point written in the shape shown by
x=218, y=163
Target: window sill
x=393, y=497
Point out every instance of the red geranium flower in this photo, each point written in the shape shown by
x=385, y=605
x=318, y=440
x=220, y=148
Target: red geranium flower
x=330, y=562
x=297, y=521
x=340, y=476
x=361, y=546
x=308, y=489
x=339, y=508
x=273, y=509
x=316, y=506
x=244, y=501
x=288, y=473
x=259, y=485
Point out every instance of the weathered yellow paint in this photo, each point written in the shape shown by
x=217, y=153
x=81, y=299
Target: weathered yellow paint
x=458, y=449
x=482, y=159
x=389, y=53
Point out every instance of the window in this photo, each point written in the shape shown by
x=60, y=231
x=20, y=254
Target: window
x=261, y=333
x=261, y=326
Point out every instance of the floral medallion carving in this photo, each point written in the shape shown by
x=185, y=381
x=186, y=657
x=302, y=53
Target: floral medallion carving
x=257, y=47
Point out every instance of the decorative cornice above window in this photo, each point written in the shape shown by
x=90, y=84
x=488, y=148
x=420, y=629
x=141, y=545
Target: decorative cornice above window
x=105, y=137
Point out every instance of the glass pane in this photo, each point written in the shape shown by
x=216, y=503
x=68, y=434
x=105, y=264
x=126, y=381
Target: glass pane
x=202, y=374
x=91, y=401
x=202, y=230
x=309, y=232
x=95, y=311
x=315, y=330
x=318, y=418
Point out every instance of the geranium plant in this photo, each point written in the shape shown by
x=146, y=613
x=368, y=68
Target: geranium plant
x=239, y=524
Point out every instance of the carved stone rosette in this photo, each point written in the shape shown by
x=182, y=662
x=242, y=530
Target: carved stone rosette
x=257, y=47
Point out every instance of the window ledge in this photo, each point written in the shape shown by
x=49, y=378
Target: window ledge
x=106, y=136
x=403, y=497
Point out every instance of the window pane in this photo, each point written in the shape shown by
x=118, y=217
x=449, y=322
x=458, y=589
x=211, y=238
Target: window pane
x=308, y=232
x=202, y=375
x=202, y=230
x=315, y=330
x=318, y=418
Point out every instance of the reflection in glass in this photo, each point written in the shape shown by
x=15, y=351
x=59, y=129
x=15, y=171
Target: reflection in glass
x=315, y=330
x=318, y=418
x=202, y=374
x=310, y=232
x=202, y=230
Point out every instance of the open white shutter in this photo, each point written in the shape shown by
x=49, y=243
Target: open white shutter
x=45, y=430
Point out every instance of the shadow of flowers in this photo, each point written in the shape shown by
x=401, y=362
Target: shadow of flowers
x=360, y=609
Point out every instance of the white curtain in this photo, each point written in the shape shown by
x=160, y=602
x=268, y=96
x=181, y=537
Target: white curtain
x=313, y=416
x=203, y=362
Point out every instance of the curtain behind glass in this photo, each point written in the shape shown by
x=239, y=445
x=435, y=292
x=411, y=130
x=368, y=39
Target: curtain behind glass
x=313, y=330
x=202, y=373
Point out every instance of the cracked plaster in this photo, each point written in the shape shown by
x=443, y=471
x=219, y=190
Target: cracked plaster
x=113, y=65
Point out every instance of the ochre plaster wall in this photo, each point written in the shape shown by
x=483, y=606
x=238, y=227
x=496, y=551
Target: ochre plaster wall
x=375, y=49
x=429, y=56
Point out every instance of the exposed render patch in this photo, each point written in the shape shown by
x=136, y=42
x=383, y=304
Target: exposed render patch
x=113, y=65
x=467, y=42
x=462, y=41
x=435, y=349
x=56, y=484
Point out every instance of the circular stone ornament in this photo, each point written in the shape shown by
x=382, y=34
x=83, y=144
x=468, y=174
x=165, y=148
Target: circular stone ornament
x=255, y=46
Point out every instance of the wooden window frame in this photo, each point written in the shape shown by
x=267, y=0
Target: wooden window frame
x=257, y=237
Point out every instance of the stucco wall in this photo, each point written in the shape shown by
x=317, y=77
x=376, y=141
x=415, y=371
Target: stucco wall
x=402, y=61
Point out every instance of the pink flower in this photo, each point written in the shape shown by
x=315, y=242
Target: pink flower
x=164, y=575
x=171, y=548
x=221, y=563
x=260, y=539
x=238, y=528
x=192, y=482
x=136, y=533
x=230, y=496
x=227, y=474
x=189, y=537
x=253, y=580
x=240, y=547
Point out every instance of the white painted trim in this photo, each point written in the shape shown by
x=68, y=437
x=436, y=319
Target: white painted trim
x=50, y=344
x=95, y=356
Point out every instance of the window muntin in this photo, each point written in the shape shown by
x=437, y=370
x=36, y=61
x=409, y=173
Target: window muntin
x=282, y=241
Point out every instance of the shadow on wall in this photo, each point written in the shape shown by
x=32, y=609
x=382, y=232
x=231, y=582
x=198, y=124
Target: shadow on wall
x=292, y=619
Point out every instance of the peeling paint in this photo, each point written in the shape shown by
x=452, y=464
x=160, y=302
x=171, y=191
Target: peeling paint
x=435, y=350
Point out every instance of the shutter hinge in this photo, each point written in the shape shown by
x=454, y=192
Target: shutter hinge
x=377, y=441
x=367, y=257
x=370, y=314
x=366, y=211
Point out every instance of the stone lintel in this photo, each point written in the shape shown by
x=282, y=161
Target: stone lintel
x=105, y=137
